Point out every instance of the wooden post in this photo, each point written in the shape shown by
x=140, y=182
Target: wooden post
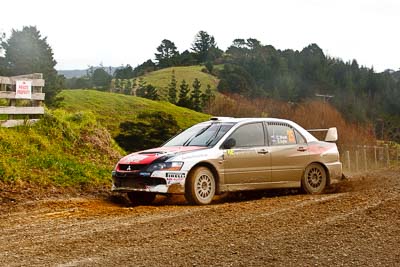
x=375, y=158
x=387, y=156
x=365, y=157
x=398, y=154
x=348, y=160
x=357, y=160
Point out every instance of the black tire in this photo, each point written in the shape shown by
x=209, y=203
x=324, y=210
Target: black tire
x=314, y=179
x=200, y=186
x=141, y=198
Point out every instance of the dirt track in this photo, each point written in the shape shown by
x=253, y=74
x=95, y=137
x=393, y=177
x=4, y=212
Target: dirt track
x=356, y=223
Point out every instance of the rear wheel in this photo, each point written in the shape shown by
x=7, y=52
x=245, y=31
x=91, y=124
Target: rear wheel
x=141, y=198
x=200, y=186
x=314, y=179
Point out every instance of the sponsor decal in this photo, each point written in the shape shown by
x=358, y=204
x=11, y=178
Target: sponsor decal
x=175, y=175
x=145, y=174
x=230, y=152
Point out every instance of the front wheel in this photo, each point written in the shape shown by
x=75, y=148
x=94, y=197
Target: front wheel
x=200, y=186
x=141, y=198
x=314, y=179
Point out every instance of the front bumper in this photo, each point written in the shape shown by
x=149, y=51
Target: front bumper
x=162, y=182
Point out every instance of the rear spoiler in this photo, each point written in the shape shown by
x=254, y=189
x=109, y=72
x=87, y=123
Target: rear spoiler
x=331, y=133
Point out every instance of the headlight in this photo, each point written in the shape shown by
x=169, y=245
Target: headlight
x=165, y=166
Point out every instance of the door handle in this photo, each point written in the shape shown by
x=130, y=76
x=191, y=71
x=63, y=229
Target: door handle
x=263, y=151
x=302, y=149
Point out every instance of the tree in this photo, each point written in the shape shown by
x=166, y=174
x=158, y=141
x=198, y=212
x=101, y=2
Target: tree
x=128, y=87
x=195, y=97
x=202, y=45
x=167, y=53
x=124, y=72
x=26, y=51
x=150, y=130
x=151, y=92
x=184, y=100
x=145, y=67
x=141, y=90
x=207, y=97
x=172, y=91
x=101, y=79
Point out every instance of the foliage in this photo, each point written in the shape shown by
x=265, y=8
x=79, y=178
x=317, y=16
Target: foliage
x=124, y=72
x=111, y=109
x=101, y=79
x=205, y=47
x=150, y=130
x=172, y=91
x=67, y=149
x=195, y=96
x=167, y=54
x=184, y=90
x=26, y=52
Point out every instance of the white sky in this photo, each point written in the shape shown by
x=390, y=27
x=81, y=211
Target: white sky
x=120, y=32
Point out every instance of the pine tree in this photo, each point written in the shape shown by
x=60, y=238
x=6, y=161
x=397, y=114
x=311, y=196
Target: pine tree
x=207, y=97
x=184, y=100
x=151, y=92
x=141, y=90
x=172, y=91
x=195, y=97
x=128, y=87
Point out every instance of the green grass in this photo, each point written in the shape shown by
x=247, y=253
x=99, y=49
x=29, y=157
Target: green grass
x=64, y=149
x=110, y=109
x=161, y=78
x=73, y=145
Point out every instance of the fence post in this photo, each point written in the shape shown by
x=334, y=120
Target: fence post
x=387, y=156
x=357, y=159
x=398, y=156
x=348, y=160
x=375, y=158
x=365, y=157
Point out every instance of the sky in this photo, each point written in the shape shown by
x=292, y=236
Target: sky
x=86, y=33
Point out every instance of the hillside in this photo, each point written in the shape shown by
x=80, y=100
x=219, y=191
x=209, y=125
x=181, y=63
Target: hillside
x=161, y=78
x=111, y=109
x=62, y=149
x=73, y=145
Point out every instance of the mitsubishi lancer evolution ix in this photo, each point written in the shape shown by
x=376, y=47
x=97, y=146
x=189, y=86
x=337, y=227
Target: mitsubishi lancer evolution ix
x=230, y=154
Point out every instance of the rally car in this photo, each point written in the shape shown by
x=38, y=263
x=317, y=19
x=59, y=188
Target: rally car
x=230, y=154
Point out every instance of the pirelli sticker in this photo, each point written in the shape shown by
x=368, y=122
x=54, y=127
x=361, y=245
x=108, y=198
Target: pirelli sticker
x=175, y=175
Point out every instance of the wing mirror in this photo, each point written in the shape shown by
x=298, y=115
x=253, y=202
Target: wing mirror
x=331, y=135
x=229, y=143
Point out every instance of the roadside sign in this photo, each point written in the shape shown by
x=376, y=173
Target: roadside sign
x=23, y=89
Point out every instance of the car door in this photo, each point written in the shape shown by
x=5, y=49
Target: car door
x=289, y=152
x=249, y=160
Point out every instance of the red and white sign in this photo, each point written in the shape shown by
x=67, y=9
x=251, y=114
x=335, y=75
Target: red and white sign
x=23, y=89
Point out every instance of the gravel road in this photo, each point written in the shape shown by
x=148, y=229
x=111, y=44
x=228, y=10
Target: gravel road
x=356, y=222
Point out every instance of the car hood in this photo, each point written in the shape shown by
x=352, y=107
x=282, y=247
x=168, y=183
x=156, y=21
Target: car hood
x=150, y=155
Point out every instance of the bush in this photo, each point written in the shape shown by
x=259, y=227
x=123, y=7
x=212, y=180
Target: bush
x=150, y=130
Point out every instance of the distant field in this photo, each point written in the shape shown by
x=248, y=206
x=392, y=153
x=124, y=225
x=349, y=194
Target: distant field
x=111, y=109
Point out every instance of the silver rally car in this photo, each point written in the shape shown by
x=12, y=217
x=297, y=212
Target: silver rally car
x=230, y=154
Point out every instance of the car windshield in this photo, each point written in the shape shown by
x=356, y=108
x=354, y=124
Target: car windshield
x=204, y=134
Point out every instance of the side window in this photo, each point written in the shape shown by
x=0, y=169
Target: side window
x=300, y=139
x=249, y=135
x=281, y=134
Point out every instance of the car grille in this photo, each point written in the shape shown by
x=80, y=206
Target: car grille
x=131, y=167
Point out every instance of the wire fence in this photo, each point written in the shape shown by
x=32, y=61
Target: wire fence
x=363, y=158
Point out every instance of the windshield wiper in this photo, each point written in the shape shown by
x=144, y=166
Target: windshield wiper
x=187, y=142
x=212, y=138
